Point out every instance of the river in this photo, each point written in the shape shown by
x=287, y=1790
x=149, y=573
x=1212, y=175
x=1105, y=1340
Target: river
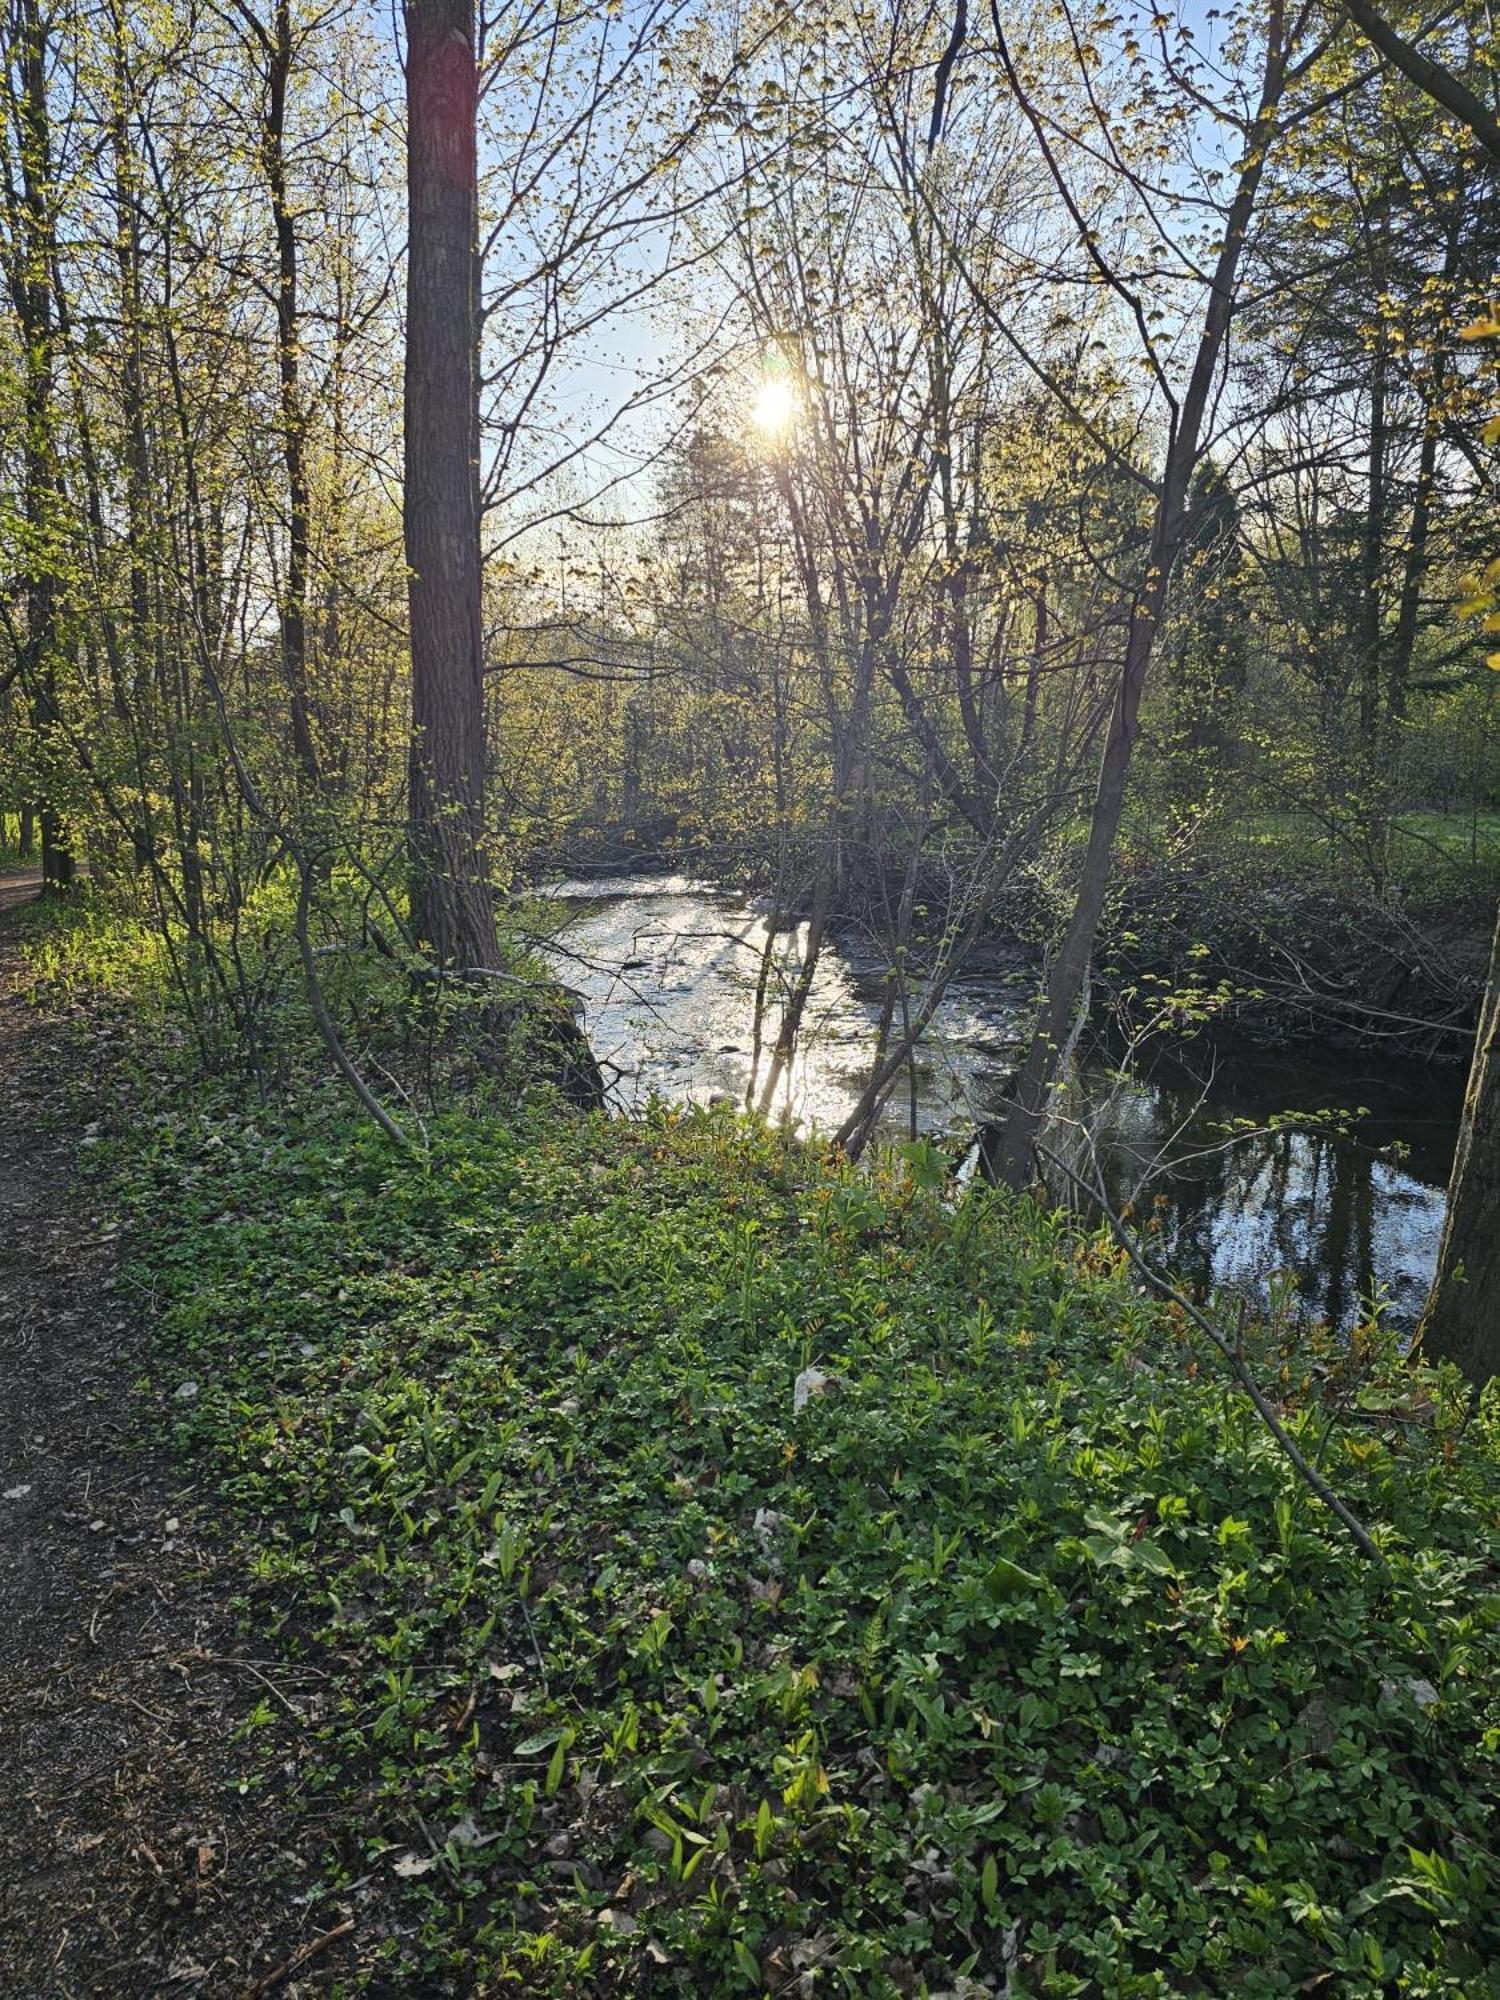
x=667, y=967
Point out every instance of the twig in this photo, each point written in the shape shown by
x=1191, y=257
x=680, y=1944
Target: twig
x=164, y=1720
x=1167, y=1290
x=541, y=1664
x=324, y=1020
x=248, y=1667
x=269, y=1981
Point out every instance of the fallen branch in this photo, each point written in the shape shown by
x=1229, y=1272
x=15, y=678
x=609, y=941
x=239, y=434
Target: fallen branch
x=1167, y=1290
x=278, y=1976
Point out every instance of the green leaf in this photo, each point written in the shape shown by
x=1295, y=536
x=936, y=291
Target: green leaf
x=1005, y=1579
x=531, y=1746
x=1151, y=1555
x=559, y=1763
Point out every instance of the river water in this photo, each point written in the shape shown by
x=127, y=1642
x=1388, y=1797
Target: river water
x=667, y=971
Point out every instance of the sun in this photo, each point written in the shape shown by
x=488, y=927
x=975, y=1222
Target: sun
x=775, y=408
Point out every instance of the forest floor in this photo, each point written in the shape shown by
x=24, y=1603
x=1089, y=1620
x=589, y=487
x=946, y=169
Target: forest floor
x=601, y=1558
x=131, y=1863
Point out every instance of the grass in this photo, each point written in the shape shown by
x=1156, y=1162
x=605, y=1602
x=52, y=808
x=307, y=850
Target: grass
x=10, y=844
x=1430, y=852
x=1458, y=833
x=1014, y=1660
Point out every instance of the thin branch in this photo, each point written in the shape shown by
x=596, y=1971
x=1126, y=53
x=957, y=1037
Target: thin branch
x=326, y=1028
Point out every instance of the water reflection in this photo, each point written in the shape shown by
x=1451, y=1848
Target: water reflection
x=1341, y=1210
x=667, y=969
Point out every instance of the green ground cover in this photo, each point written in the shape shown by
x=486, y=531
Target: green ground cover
x=1013, y=1661
x=1429, y=853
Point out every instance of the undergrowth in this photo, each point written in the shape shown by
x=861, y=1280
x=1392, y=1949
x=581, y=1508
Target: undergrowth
x=737, y=1575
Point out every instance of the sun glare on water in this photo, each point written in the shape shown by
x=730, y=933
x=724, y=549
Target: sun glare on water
x=775, y=408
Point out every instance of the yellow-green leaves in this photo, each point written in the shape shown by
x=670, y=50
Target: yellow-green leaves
x=1481, y=599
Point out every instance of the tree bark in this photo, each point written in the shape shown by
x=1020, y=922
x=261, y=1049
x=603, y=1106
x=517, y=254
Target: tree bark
x=1414, y=571
x=452, y=909
x=1462, y=1320
x=1372, y=563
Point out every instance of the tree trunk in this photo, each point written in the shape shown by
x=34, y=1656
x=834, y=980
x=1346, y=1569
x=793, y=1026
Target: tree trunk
x=1414, y=572
x=452, y=910
x=1372, y=565
x=1462, y=1320
x=1013, y=1162
x=31, y=288
x=1069, y=972
x=280, y=52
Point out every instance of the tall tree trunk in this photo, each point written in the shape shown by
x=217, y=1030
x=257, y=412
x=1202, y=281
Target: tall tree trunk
x=1462, y=1320
x=1036, y=666
x=31, y=289
x=1403, y=644
x=1371, y=778
x=1013, y=1159
x=141, y=527
x=1414, y=573
x=1372, y=566
x=452, y=910
x=279, y=53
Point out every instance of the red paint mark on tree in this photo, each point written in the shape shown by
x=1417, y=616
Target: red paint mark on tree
x=443, y=79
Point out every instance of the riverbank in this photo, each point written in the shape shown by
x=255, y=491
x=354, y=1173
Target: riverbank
x=1306, y=964
x=698, y=1569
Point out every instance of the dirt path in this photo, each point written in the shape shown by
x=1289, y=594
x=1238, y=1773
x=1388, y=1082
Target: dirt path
x=131, y=1863
x=17, y=886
